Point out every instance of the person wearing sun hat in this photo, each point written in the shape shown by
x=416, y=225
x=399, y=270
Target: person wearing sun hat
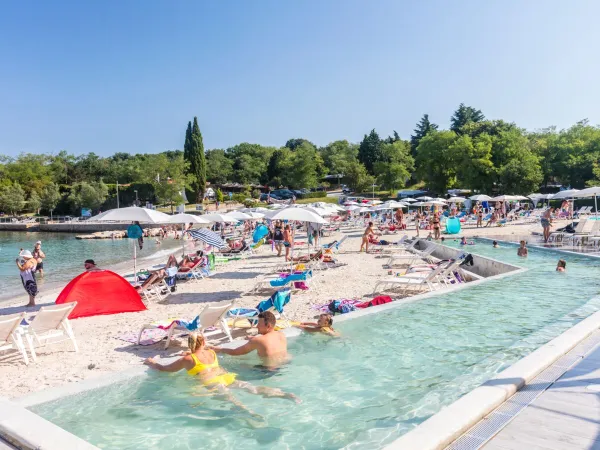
x=27, y=265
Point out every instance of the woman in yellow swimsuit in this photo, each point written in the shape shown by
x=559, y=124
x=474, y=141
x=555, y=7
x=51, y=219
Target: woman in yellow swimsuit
x=203, y=362
x=323, y=325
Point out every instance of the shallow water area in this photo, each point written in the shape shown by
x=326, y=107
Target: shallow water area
x=388, y=372
x=65, y=256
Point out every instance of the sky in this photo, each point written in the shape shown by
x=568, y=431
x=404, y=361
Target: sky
x=126, y=76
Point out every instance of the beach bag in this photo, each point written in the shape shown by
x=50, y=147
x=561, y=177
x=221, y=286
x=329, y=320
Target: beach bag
x=341, y=307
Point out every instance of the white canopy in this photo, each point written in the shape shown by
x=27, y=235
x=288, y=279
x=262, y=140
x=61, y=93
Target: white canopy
x=588, y=192
x=219, y=218
x=188, y=218
x=480, y=198
x=133, y=214
x=300, y=214
x=569, y=193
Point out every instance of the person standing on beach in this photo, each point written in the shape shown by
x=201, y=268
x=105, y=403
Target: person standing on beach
x=546, y=219
x=27, y=265
x=365, y=238
x=288, y=241
x=39, y=256
x=141, y=238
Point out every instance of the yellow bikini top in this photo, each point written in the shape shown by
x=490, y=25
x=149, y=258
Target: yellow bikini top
x=201, y=367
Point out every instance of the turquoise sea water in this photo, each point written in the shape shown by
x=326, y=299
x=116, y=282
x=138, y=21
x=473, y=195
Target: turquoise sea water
x=388, y=373
x=64, y=257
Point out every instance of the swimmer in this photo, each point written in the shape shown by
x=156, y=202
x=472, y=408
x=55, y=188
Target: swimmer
x=522, y=250
x=202, y=362
x=429, y=236
x=495, y=244
x=323, y=325
x=443, y=238
x=463, y=241
x=561, y=266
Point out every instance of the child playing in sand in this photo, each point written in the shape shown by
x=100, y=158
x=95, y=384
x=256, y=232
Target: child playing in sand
x=323, y=325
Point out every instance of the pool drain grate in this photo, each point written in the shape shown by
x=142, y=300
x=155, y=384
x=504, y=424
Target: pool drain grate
x=491, y=425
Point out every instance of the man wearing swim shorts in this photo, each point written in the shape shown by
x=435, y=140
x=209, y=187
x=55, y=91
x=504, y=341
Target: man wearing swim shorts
x=270, y=345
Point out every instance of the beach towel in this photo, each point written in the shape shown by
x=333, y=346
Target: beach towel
x=149, y=337
x=379, y=300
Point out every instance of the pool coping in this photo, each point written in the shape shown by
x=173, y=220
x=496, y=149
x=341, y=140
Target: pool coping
x=451, y=422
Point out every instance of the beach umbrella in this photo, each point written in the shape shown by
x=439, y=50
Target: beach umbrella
x=425, y=198
x=520, y=197
x=434, y=203
x=439, y=199
x=320, y=211
x=184, y=219
x=255, y=215
x=351, y=203
x=376, y=202
x=569, y=193
x=503, y=198
x=590, y=192
x=408, y=199
x=418, y=204
x=238, y=215
x=208, y=236
x=456, y=200
x=299, y=214
x=221, y=218
x=394, y=205
x=480, y=198
x=133, y=214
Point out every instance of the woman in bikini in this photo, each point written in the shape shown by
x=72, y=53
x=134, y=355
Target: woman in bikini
x=435, y=222
x=365, y=238
x=204, y=364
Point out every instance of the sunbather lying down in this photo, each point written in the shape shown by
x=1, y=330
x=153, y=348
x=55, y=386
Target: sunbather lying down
x=306, y=258
x=204, y=364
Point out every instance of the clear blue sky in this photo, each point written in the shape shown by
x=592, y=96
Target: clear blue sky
x=127, y=75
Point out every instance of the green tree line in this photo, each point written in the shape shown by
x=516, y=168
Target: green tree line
x=492, y=156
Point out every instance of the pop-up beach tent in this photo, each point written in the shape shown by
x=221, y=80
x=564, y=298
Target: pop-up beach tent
x=100, y=292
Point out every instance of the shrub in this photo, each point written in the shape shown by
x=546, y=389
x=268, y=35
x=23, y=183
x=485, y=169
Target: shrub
x=318, y=194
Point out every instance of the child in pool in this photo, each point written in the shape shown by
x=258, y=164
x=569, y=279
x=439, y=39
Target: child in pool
x=561, y=266
x=463, y=241
x=495, y=244
x=323, y=325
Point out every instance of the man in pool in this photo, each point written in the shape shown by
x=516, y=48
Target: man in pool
x=270, y=345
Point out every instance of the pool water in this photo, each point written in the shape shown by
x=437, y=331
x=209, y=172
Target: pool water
x=388, y=373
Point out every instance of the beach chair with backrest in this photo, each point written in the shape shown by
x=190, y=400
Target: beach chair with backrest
x=276, y=302
x=428, y=282
x=11, y=336
x=212, y=315
x=410, y=258
x=49, y=323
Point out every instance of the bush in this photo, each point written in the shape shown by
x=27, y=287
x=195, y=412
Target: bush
x=239, y=198
x=256, y=193
x=250, y=203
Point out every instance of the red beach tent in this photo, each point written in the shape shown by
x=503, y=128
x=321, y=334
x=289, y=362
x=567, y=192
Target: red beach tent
x=100, y=292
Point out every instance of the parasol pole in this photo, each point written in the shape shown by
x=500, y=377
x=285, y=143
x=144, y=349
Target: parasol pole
x=135, y=277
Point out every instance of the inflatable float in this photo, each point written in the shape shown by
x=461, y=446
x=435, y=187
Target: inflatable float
x=452, y=225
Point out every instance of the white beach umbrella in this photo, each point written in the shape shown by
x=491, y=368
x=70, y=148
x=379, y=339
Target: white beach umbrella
x=408, y=199
x=352, y=203
x=299, y=214
x=434, y=203
x=133, y=214
x=260, y=209
x=569, y=193
x=520, y=197
x=480, y=198
x=418, y=204
x=457, y=200
x=184, y=219
x=439, y=199
x=376, y=202
x=221, y=218
x=535, y=195
x=319, y=211
x=239, y=215
x=395, y=205
x=352, y=208
x=503, y=198
x=590, y=192
x=425, y=198
x=363, y=209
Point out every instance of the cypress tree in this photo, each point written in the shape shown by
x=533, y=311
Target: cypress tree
x=188, y=143
x=198, y=161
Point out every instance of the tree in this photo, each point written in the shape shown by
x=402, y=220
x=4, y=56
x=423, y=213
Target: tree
x=219, y=168
x=396, y=167
x=169, y=192
x=88, y=195
x=358, y=178
x=279, y=163
x=12, y=198
x=304, y=169
x=473, y=162
x=50, y=197
x=370, y=150
x=423, y=127
x=187, y=144
x=338, y=155
x=34, y=202
x=250, y=162
x=464, y=115
x=197, y=162
x=435, y=160
x=293, y=144
x=219, y=195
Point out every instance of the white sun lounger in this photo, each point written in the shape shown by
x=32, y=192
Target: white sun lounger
x=410, y=258
x=212, y=315
x=428, y=282
x=10, y=335
x=49, y=323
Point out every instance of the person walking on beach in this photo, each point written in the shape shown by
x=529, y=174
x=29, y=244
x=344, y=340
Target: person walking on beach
x=479, y=216
x=27, y=265
x=418, y=222
x=278, y=237
x=435, y=222
x=365, y=238
x=546, y=219
x=288, y=241
x=39, y=256
x=270, y=345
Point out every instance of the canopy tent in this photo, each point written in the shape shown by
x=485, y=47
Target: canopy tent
x=100, y=292
x=593, y=191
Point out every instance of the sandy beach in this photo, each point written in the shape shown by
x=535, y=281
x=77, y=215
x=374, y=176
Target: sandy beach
x=101, y=350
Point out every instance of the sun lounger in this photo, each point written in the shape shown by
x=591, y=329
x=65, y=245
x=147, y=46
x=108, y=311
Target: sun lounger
x=277, y=281
x=428, y=282
x=211, y=315
x=276, y=302
x=11, y=336
x=411, y=258
x=49, y=323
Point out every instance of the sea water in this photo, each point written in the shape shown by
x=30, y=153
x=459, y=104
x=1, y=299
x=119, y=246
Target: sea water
x=385, y=375
x=65, y=256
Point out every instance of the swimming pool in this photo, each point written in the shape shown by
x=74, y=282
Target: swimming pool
x=388, y=373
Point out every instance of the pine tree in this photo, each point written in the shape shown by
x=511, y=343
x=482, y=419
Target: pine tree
x=464, y=115
x=423, y=127
x=197, y=161
x=370, y=150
